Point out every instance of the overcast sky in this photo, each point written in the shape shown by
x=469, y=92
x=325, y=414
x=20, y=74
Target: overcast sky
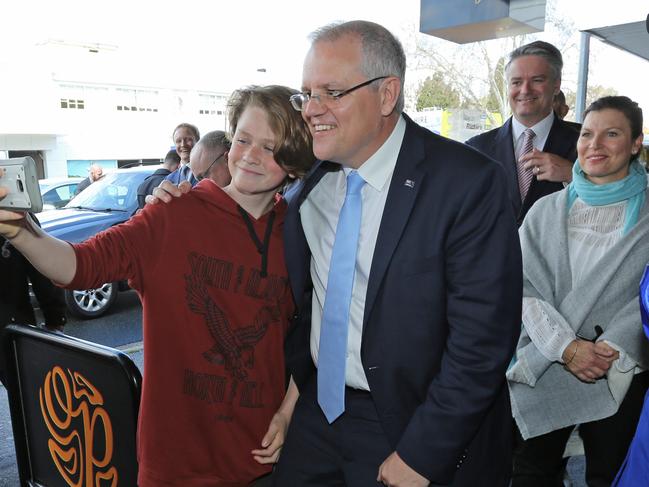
x=221, y=44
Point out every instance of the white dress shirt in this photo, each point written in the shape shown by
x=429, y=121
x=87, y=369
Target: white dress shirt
x=541, y=131
x=319, y=216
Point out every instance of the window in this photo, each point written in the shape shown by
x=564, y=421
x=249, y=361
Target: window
x=211, y=104
x=136, y=100
x=72, y=104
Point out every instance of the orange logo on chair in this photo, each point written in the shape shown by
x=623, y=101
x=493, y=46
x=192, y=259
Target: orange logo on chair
x=78, y=425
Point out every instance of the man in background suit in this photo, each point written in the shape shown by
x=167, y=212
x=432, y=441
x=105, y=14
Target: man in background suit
x=185, y=137
x=533, y=79
x=434, y=308
x=95, y=173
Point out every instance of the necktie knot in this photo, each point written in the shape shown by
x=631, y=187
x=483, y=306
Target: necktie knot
x=184, y=172
x=355, y=183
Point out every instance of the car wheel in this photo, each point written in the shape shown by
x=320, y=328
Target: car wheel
x=91, y=303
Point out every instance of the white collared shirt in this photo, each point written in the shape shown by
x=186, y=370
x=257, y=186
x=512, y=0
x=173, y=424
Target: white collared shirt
x=319, y=215
x=541, y=129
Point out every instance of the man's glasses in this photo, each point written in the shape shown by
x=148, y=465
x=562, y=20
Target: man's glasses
x=299, y=100
x=204, y=174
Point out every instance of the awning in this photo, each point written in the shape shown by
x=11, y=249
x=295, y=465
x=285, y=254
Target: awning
x=632, y=37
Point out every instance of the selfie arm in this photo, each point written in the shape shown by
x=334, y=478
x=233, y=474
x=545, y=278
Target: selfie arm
x=52, y=257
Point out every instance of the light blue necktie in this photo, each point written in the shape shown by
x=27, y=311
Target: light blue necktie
x=184, y=173
x=332, y=354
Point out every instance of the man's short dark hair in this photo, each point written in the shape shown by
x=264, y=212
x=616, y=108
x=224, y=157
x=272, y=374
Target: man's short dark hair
x=542, y=49
x=172, y=157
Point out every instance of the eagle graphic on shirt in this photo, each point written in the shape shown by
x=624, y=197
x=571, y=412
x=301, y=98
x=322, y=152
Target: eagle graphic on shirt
x=232, y=347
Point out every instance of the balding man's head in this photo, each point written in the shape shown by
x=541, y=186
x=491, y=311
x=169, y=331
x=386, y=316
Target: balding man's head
x=207, y=158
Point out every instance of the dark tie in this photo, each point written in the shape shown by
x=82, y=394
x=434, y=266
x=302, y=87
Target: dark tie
x=525, y=175
x=332, y=354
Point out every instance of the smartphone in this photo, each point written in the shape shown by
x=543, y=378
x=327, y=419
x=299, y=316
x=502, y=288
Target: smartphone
x=21, y=181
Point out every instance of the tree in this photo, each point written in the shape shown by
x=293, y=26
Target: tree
x=593, y=92
x=434, y=92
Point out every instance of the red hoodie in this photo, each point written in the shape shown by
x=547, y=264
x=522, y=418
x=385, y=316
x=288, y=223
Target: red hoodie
x=214, y=330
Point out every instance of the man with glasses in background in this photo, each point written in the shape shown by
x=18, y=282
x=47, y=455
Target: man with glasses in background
x=208, y=158
x=404, y=259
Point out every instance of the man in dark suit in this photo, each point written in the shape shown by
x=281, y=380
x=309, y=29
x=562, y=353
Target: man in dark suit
x=433, y=313
x=95, y=173
x=170, y=164
x=533, y=79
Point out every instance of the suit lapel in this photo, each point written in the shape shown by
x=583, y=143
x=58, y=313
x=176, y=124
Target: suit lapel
x=407, y=179
x=561, y=140
x=503, y=151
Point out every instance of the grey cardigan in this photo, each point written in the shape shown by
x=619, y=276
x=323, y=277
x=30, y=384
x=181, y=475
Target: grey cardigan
x=546, y=397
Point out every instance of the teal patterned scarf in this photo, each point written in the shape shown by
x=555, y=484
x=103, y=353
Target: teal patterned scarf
x=631, y=188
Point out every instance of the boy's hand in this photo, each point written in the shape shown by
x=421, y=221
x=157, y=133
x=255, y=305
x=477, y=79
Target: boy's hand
x=167, y=191
x=273, y=440
x=10, y=221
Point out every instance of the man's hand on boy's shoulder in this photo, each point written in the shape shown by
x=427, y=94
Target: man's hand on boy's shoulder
x=167, y=191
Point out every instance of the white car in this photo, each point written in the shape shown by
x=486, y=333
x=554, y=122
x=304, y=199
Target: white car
x=57, y=192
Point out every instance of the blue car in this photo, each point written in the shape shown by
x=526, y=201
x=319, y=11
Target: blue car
x=107, y=202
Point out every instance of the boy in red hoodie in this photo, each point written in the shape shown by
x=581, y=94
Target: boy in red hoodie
x=210, y=271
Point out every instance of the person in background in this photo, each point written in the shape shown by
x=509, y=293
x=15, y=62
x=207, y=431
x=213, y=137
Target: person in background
x=185, y=137
x=209, y=158
x=535, y=147
x=561, y=109
x=560, y=106
x=169, y=165
x=581, y=359
x=216, y=306
x=635, y=469
x=15, y=301
x=95, y=173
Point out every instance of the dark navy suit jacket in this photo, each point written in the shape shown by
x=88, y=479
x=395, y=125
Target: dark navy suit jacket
x=149, y=184
x=442, y=310
x=498, y=144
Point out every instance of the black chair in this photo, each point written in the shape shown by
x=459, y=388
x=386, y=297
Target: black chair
x=74, y=407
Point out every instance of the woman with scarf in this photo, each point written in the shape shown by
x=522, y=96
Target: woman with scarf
x=581, y=359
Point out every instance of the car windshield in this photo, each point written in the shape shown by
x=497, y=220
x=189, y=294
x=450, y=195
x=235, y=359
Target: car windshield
x=44, y=187
x=116, y=191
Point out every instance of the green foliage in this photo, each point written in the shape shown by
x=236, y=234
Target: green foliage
x=435, y=92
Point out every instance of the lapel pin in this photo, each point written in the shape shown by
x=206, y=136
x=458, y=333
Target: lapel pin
x=410, y=183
